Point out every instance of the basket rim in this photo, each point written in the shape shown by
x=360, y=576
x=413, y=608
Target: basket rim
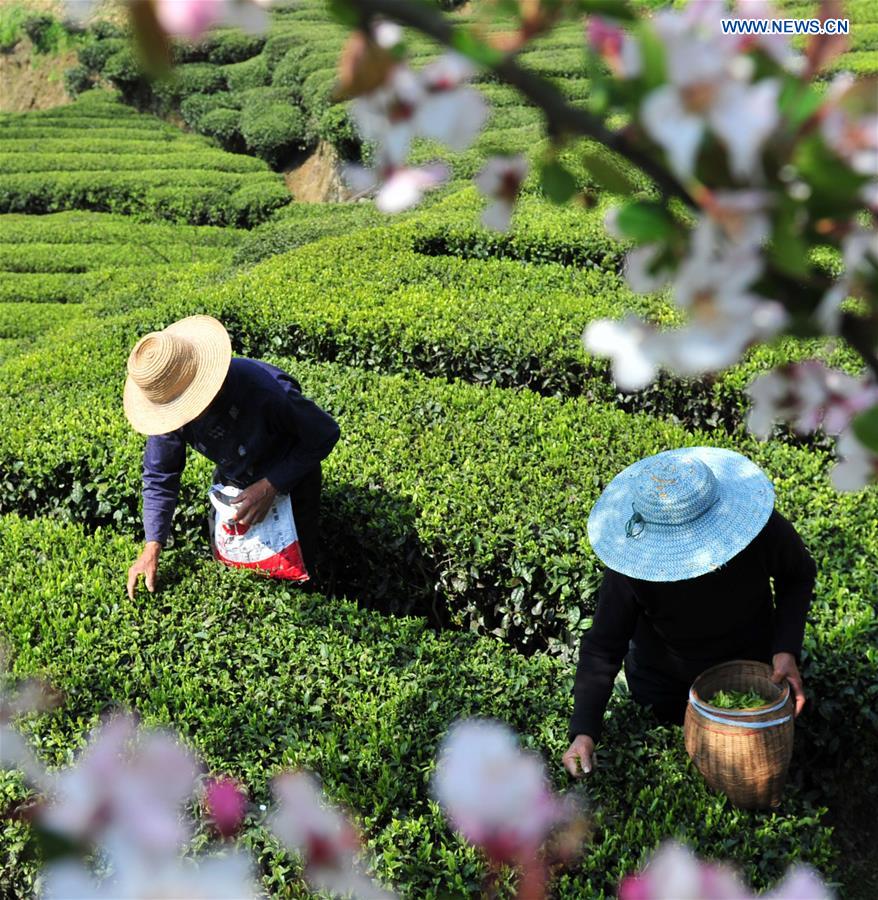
x=753, y=711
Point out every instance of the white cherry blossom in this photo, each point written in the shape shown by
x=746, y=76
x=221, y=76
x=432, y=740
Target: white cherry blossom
x=500, y=179
x=850, y=129
x=127, y=787
x=495, y=794
x=433, y=103
x=397, y=187
x=635, y=349
x=133, y=878
x=307, y=824
x=708, y=88
x=857, y=466
x=808, y=395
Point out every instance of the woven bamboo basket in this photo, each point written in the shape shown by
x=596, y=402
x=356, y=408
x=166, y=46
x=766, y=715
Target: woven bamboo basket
x=744, y=754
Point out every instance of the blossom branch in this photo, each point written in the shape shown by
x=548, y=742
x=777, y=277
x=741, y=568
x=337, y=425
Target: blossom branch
x=562, y=117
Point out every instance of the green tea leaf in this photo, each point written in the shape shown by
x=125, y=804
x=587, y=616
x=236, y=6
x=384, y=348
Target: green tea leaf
x=557, y=183
x=865, y=427
x=607, y=172
x=644, y=222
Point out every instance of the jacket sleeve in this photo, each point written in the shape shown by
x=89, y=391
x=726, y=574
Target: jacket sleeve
x=163, y=462
x=601, y=651
x=314, y=434
x=793, y=572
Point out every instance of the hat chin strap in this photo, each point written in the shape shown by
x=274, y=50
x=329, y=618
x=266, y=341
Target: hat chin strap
x=635, y=525
x=635, y=520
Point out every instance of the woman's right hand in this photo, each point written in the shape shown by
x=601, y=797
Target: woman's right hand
x=579, y=759
x=147, y=565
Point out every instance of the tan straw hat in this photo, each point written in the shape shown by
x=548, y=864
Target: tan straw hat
x=174, y=374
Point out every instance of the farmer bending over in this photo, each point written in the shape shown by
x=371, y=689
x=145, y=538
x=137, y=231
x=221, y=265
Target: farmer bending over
x=692, y=543
x=249, y=418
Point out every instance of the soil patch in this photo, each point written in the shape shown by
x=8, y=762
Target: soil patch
x=30, y=81
x=318, y=178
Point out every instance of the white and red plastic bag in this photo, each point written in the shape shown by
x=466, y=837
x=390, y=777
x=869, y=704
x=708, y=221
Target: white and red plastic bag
x=270, y=546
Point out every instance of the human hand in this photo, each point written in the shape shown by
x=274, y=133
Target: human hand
x=147, y=565
x=254, y=502
x=785, y=667
x=580, y=752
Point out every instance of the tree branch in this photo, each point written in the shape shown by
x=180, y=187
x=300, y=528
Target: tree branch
x=562, y=116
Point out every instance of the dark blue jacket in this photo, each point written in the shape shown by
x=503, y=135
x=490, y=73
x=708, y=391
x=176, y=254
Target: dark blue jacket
x=259, y=426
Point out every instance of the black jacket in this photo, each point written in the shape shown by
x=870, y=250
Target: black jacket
x=681, y=628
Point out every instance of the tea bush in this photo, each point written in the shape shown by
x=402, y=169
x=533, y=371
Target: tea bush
x=200, y=185
x=79, y=227
x=256, y=676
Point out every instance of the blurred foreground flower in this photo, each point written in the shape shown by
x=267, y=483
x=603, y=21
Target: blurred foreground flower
x=188, y=19
x=305, y=823
x=500, y=180
x=674, y=873
x=226, y=803
x=499, y=798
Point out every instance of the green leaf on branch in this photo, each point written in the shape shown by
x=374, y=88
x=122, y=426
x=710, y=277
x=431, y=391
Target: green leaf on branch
x=865, y=427
x=344, y=12
x=835, y=186
x=556, y=182
x=799, y=101
x=467, y=44
x=789, y=250
x=652, y=51
x=608, y=173
x=612, y=9
x=644, y=222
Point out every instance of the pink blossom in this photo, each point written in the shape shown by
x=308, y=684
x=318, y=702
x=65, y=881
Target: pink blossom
x=674, y=873
x=190, y=19
x=620, y=51
x=226, y=803
x=808, y=395
x=497, y=796
x=127, y=786
x=500, y=179
x=398, y=187
x=305, y=823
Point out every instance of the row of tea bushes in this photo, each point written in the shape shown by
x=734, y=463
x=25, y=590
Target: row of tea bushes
x=475, y=498
x=375, y=298
x=51, y=264
x=82, y=227
x=75, y=257
x=152, y=172
x=256, y=677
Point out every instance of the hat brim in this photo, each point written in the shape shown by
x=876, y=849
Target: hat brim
x=213, y=354
x=745, y=499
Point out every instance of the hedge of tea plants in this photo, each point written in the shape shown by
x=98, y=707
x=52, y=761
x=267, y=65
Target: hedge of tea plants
x=442, y=496
x=51, y=264
x=134, y=164
x=476, y=436
x=257, y=676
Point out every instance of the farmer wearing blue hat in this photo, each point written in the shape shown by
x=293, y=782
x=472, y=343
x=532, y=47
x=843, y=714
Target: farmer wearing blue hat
x=692, y=545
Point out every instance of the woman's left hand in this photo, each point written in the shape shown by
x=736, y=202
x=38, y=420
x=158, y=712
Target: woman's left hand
x=254, y=502
x=785, y=667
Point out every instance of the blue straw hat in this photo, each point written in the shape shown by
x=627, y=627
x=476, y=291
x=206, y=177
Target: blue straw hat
x=680, y=514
